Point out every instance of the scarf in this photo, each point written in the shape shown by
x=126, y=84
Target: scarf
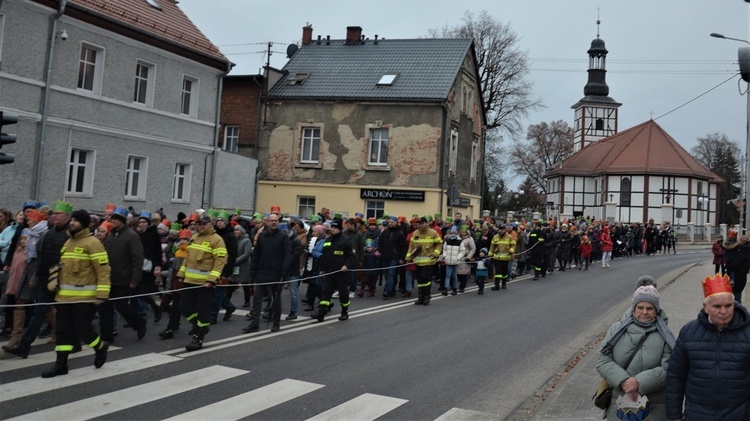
x=34, y=235
x=661, y=327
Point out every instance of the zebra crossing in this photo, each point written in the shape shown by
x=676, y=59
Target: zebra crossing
x=182, y=390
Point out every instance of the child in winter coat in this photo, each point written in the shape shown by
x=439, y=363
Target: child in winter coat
x=179, y=251
x=586, y=250
x=371, y=264
x=483, y=264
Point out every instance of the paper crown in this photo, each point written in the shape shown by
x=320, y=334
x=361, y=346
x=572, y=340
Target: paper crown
x=30, y=204
x=110, y=207
x=145, y=215
x=401, y=219
x=176, y=226
x=275, y=209
x=106, y=225
x=732, y=233
x=213, y=213
x=372, y=221
x=121, y=212
x=438, y=215
x=716, y=285
x=193, y=217
x=185, y=234
x=35, y=216
x=223, y=215
x=369, y=243
x=64, y=207
x=358, y=216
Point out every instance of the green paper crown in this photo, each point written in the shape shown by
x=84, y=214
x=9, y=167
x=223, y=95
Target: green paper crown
x=223, y=215
x=213, y=213
x=61, y=206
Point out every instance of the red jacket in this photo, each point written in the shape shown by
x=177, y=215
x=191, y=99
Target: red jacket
x=586, y=250
x=719, y=252
x=606, y=241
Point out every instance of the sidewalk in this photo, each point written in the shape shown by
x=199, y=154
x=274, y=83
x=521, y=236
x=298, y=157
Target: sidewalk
x=681, y=298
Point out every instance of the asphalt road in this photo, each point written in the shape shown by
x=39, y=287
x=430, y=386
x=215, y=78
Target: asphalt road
x=461, y=357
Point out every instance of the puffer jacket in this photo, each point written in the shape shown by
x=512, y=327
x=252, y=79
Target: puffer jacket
x=453, y=250
x=464, y=268
x=205, y=260
x=711, y=370
x=84, y=274
x=502, y=247
x=649, y=367
x=424, y=247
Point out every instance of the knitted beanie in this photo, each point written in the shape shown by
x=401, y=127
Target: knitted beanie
x=645, y=280
x=81, y=216
x=648, y=294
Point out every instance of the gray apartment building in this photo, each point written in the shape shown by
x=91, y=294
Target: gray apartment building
x=118, y=102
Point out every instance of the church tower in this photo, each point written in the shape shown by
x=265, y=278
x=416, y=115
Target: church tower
x=596, y=113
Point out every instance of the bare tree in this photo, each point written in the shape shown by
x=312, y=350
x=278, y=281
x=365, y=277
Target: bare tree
x=545, y=146
x=721, y=155
x=503, y=70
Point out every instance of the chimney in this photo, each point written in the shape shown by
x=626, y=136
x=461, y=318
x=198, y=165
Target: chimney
x=353, y=35
x=307, y=32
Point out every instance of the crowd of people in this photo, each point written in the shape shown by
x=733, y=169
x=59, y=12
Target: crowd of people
x=190, y=268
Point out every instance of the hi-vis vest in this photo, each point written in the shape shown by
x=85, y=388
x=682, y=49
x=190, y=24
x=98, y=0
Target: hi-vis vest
x=206, y=257
x=424, y=247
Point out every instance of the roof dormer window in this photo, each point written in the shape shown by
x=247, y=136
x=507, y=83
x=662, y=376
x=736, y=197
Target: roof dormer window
x=153, y=4
x=387, y=80
x=297, y=78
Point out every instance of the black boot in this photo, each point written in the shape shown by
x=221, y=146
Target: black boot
x=427, y=294
x=100, y=354
x=497, y=285
x=321, y=313
x=420, y=296
x=197, y=342
x=252, y=327
x=454, y=292
x=504, y=282
x=481, y=289
x=344, y=313
x=60, y=368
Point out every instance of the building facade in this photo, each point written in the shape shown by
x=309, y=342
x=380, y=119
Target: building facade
x=374, y=127
x=117, y=102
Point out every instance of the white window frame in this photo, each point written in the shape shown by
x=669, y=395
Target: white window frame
x=148, y=95
x=140, y=175
x=374, y=208
x=192, y=96
x=231, y=138
x=474, y=159
x=306, y=154
x=453, y=152
x=87, y=66
x=306, y=209
x=376, y=146
x=77, y=170
x=181, y=182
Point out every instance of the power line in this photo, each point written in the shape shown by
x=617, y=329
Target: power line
x=704, y=93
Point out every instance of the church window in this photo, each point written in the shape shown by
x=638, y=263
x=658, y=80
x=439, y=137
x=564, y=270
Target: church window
x=599, y=124
x=625, y=192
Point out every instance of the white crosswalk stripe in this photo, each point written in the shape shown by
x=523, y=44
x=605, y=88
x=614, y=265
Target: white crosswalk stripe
x=11, y=363
x=250, y=403
x=99, y=406
x=28, y=387
x=364, y=407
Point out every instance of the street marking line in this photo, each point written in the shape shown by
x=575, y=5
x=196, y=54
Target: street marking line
x=42, y=358
x=99, y=406
x=78, y=376
x=367, y=406
x=250, y=403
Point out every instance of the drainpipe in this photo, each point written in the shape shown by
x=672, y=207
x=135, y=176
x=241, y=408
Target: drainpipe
x=216, y=135
x=45, y=100
x=441, y=157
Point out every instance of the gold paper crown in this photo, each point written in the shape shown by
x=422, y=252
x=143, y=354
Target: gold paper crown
x=716, y=285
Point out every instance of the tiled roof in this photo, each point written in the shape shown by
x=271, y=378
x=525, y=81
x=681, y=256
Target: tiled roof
x=426, y=69
x=643, y=149
x=169, y=23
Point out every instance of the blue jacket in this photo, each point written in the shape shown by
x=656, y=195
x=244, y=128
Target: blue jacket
x=711, y=370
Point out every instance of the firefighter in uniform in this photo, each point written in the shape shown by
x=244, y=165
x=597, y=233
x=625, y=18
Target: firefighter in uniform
x=83, y=281
x=338, y=256
x=424, y=248
x=502, y=250
x=206, y=257
x=535, y=248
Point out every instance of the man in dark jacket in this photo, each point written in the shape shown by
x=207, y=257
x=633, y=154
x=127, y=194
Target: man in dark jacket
x=151, y=252
x=226, y=231
x=49, y=256
x=271, y=259
x=338, y=257
x=125, y=253
x=392, y=249
x=710, y=365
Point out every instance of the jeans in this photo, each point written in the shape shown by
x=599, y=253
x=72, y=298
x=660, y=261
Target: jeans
x=294, y=292
x=38, y=316
x=409, y=280
x=451, y=275
x=390, y=277
x=352, y=282
x=220, y=300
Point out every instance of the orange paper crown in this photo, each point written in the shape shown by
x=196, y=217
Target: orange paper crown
x=275, y=209
x=732, y=233
x=716, y=285
x=110, y=207
x=35, y=216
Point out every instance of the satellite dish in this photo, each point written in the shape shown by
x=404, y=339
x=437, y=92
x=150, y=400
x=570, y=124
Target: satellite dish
x=291, y=49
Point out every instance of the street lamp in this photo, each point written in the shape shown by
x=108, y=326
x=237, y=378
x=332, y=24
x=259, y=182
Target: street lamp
x=746, y=175
x=702, y=206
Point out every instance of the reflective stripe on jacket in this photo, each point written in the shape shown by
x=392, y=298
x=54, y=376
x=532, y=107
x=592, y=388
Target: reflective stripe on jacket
x=206, y=257
x=85, y=269
x=424, y=247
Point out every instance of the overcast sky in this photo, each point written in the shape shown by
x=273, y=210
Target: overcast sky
x=660, y=53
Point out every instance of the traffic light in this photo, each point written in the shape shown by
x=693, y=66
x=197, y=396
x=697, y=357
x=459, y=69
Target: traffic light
x=744, y=57
x=6, y=119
